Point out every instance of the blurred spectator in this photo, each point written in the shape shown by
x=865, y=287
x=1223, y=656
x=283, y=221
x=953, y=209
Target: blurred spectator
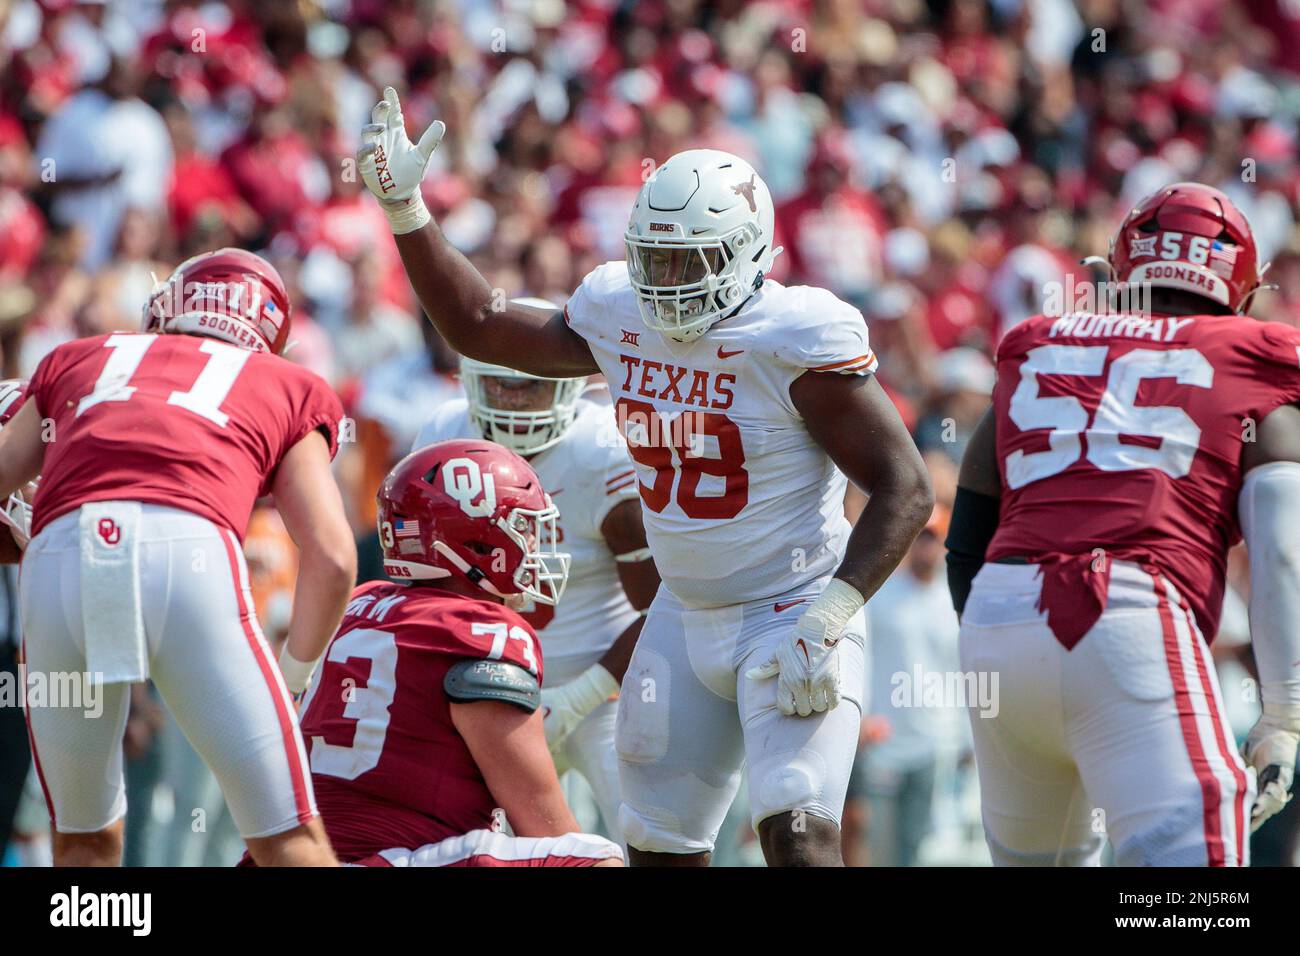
x=964, y=384
x=375, y=331
x=104, y=150
x=913, y=730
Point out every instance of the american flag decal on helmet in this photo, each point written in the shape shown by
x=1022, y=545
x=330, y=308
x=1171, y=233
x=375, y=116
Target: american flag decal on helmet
x=406, y=528
x=1223, y=259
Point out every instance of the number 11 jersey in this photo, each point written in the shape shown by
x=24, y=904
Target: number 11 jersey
x=739, y=502
x=178, y=420
x=1120, y=436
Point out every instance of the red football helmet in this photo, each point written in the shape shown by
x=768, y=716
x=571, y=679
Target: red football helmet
x=229, y=294
x=474, y=509
x=1189, y=236
x=18, y=509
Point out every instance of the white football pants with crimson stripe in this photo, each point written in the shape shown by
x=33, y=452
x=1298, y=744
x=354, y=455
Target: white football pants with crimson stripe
x=1124, y=736
x=206, y=655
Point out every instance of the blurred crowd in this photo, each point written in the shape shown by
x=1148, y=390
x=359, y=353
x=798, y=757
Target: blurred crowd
x=938, y=163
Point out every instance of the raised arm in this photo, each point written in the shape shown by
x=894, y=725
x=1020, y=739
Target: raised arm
x=475, y=319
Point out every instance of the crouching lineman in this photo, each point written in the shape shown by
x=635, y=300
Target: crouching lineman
x=424, y=726
x=574, y=446
x=152, y=448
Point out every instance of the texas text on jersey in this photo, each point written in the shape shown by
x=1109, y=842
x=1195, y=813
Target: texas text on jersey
x=721, y=452
x=1119, y=437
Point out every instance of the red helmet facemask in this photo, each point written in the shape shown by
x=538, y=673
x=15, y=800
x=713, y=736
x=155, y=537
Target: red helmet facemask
x=475, y=510
x=230, y=294
x=1191, y=237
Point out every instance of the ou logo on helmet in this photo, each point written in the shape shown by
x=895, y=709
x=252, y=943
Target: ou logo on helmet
x=465, y=482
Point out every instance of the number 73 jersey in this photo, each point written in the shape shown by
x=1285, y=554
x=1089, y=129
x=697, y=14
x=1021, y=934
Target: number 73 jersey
x=1120, y=436
x=739, y=502
x=178, y=420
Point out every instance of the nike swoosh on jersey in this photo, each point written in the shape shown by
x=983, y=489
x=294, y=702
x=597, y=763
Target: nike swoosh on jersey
x=778, y=607
x=723, y=354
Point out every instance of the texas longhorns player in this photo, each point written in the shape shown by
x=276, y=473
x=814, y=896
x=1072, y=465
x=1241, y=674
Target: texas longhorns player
x=572, y=444
x=1123, y=456
x=152, y=448
x=424, y=727
x=738, y=399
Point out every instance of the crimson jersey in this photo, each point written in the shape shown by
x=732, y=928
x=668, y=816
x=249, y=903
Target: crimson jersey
x=388, y=767
x=1120, y=436
x=175, y=420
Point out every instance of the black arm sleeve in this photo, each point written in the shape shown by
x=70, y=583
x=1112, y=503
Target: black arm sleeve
x=974, y=522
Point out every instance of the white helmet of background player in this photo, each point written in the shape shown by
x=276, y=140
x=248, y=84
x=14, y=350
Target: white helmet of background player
x=525, y=413
x=699, y=241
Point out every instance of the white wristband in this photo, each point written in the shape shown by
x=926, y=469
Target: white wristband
x=406, y=215
x=632, y=557
x=297, y=674
x=836, y=606
x=590, y=689
x=1277, y=704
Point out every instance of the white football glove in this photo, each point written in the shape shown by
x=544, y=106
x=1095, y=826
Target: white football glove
x=807, y=666
x=1270, y=749
x=568, y=705
x=393, y=167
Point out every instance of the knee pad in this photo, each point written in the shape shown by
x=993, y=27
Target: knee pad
x=795, y=780
x=641, y=730
x=657, y=830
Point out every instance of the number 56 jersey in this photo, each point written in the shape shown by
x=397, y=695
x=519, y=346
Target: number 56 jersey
x=1120, y=437
x=739, y=502
x=176, y=420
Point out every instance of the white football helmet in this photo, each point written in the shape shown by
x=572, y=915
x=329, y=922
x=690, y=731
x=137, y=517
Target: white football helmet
x=523, y=431
x=699, y=241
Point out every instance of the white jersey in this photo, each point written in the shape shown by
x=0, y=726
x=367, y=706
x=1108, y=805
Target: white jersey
x=586, y=473
x=740, y=503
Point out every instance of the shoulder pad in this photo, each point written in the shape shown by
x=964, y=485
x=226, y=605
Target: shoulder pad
x=472, y=680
